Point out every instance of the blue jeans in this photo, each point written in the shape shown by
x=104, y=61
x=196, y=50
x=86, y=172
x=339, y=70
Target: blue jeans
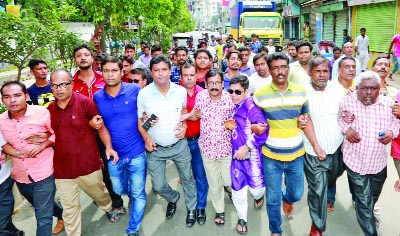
x=128, y=176
x=41, y=195
x=199, y=175
x=6, y=208
x=294, y=182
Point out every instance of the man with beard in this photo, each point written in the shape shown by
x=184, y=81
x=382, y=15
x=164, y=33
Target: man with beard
x=364, y=148
x=347, y=52
x=86, y=80
x=283, y=152
x=202, y=62
x=262, y=77
x=181, y=55
x=234, y=63
x=324, y=98
x=299, y=69
x=40, y=91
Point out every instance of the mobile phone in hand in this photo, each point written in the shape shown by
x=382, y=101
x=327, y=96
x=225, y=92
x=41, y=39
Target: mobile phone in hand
x=147, y=123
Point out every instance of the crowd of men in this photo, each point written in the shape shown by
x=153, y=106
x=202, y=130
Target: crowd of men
x=241, y=118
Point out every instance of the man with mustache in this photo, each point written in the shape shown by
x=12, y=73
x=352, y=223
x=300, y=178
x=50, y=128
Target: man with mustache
x=364, y=147
x=181, y=56
x=214, y=107
x=381, y=65
x=234, y=64
x=283, y=152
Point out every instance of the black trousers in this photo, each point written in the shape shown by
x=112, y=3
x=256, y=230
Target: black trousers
x=116, y=199
x=320, y=175
x=367, y=189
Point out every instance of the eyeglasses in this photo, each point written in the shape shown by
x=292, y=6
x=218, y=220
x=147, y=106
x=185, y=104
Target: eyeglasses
x=61, y=85
x=113, y=71
x=211, y=83
x=136, y=81
x=237, y=92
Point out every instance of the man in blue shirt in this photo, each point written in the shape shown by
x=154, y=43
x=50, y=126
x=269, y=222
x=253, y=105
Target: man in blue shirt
x=40, y=91
x=181, y=55
x=255, y=44
x=117, y=104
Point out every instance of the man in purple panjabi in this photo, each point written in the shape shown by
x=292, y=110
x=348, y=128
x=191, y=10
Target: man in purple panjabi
x=246, y=166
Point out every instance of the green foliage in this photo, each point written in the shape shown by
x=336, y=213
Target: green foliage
x=63, y=48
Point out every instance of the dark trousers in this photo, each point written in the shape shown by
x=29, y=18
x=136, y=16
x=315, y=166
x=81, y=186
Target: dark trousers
x=116, y=199
x=6, y=208
x=367, y=189
x=320, y=175
x=41, y=196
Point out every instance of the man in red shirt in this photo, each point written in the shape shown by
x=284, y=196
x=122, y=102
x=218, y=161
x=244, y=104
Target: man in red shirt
x=77, y=162
x=188, y=79
x=32, y=162
x=86, y=80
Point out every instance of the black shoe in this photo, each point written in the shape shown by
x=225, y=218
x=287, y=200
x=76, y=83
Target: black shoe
x=171, y=208
x=190, y=218
x=201, y=216
x=133, y=234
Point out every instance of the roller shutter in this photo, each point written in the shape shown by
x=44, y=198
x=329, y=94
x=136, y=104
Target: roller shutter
x=327, y=26
x=379, y=19
x=341, y=22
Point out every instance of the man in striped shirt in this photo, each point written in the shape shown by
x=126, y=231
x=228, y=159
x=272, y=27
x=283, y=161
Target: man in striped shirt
x=283, y=103
x=364, y=148
x=324, y=98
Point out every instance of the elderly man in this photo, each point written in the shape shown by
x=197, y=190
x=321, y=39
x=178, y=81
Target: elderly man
x=323, y=98
x=364, y=148
x=347, y=52
x=381, y=65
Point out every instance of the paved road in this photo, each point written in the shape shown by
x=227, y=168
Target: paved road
x=342, y=222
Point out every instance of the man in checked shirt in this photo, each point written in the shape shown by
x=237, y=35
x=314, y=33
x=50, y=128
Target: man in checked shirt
x=364, y=148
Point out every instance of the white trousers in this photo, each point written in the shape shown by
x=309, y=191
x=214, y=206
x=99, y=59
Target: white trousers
x=239, y=199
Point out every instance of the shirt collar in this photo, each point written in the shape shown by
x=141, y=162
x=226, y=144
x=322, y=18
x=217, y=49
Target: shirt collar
x=276, y=89
x=121, y=91
x=28, y=112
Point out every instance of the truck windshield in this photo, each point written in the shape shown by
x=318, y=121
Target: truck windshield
x=265, y=22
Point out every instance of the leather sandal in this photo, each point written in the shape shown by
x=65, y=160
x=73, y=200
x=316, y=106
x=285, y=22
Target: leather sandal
x=242, y=224
x=219, y=219
x=112, y=216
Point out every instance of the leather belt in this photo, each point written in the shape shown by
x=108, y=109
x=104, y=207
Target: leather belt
x=168, y=146
x=193, y=138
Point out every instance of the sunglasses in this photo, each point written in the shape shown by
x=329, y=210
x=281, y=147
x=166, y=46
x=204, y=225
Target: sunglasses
x=237, y=92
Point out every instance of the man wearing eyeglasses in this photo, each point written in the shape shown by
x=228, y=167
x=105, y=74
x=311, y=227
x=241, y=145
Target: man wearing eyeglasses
x=283, y=104
x=214, y=107
x=77, y=161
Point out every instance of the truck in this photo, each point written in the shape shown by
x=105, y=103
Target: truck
x=258, y=17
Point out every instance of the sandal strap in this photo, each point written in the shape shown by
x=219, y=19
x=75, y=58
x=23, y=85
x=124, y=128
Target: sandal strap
x=242, y=223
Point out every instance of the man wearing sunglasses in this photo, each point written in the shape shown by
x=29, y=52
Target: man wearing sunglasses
x=246, y=167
